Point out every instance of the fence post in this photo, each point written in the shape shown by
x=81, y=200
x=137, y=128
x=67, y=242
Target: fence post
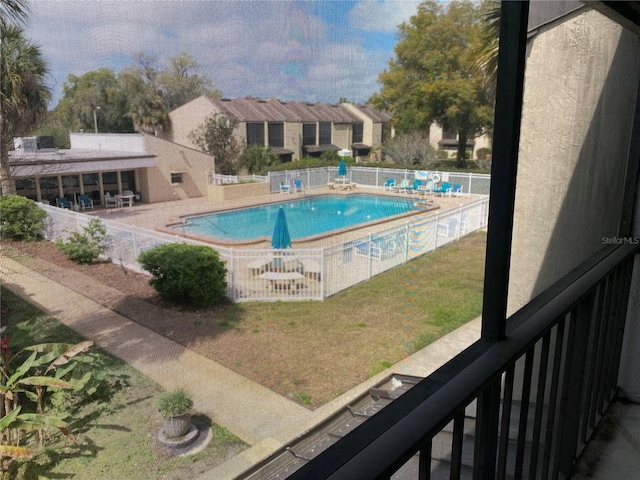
x=323, y=274
x=459, y=223
x=470, y=178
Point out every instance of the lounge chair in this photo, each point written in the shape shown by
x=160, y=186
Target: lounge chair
x=444, y=189
x=448, y=228
x=63, y=203
x=297, y=185
x=404, y=186
x=110, y=202
x=390, y=184
x=417, y=184
x=85, y=201
x=284, y=188
x=456, y=189
x=376, y=248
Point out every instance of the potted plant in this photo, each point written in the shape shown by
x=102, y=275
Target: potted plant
x=175, y=409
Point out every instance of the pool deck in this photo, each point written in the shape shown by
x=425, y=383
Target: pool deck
x=156, y=216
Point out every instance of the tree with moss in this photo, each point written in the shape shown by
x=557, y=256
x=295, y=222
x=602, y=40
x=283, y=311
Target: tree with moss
x=433, y=76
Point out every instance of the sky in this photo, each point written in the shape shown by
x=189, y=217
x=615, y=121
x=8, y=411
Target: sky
x=301, y=50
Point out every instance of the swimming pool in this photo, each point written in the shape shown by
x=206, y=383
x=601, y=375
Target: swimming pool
x=306, y=217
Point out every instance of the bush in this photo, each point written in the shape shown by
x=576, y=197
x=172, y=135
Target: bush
x=85, y=247
x=182, y=273
x=482, y=153
x=20, y=218
x=173, y=404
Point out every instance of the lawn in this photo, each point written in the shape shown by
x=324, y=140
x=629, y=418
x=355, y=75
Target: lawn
x=115, y=430
x=310, y=352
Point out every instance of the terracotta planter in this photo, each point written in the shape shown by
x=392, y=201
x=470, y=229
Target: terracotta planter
x=174, y=427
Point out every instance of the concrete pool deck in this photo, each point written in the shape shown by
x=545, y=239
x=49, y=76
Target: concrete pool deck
x=156, y=216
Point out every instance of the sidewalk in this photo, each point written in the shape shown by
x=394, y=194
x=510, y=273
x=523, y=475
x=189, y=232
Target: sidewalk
x=257, y=415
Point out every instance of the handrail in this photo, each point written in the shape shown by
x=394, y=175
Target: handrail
x=382, y=444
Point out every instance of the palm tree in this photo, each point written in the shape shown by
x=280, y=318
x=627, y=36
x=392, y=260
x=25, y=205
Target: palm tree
x=487, y=46
x=148, y=113
x=23, y=94
x=13, y=11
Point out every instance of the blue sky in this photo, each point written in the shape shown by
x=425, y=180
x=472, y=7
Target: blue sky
x=292, y=50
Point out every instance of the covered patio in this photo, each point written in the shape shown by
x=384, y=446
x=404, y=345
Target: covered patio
x=45, y=176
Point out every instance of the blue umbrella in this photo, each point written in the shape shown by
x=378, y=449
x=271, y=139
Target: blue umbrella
x=342, y=169
x=281, y=238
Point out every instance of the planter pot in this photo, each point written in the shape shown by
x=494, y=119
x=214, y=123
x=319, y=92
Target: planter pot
x=175, y=427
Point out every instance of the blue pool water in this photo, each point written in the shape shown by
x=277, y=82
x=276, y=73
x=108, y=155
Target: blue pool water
x=305, y=217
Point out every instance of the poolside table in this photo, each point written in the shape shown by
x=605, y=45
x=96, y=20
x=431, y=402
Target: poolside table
x=282, y=280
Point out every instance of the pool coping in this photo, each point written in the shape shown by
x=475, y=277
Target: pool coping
x=312, y=238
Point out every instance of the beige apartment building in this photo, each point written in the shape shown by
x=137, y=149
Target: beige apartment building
x=293, y=130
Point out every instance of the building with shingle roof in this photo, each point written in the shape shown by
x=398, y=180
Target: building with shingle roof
x=292, y=129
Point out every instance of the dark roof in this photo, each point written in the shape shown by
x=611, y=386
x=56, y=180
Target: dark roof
x=361, y=146
x=454, y=142
x=541, y=13
x=281, y=151
x=375, y=115
x=320, y=148
x=273, y=110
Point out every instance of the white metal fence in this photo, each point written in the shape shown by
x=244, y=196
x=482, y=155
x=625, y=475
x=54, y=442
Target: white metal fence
x=224, y=179
x=294, y=274
x=472, y=183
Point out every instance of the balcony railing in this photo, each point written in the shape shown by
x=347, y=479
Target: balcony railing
x=523, y=407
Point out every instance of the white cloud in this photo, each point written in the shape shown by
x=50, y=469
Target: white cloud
x=374, y=15
x=266, y=49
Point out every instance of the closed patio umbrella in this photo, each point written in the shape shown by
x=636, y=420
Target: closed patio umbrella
x=281, y=238
x=342, y=168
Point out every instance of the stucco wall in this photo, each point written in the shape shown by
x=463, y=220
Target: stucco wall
x=293, y=139
x=185, y=119
x=155, y=182
x=581, y=80
x=220, y=193
x=341, y=135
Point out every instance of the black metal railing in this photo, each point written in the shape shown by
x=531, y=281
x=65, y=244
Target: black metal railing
x=523, y=407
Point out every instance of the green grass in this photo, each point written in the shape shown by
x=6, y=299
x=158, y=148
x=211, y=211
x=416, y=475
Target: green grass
x=335, y=344
x=115, y=429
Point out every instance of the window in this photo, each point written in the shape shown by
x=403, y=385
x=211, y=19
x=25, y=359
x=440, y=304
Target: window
x=176, y=178
x=325, y=133
x=358, y=129
x=128, y=179
x=255, y=134
x=309, y=134
x=276, y=134
x=449, y=135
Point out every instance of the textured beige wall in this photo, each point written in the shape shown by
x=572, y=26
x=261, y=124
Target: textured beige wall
x=293, y=139
x=155, y=182
x=341, y=135
x=185, y=119
x=581, y=80
x=220, y=193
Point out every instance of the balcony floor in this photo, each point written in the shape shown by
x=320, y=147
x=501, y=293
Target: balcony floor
x=614, y=452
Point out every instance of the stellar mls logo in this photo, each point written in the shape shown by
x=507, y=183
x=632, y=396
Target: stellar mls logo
x=620, y=240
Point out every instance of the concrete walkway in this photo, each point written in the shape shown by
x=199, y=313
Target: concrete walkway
x=257, y=415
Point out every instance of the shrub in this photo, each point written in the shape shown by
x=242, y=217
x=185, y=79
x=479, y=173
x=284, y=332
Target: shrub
x=85, y=247
x=182, y=273
x=20, y=218
x=482, y=153
x=174, y=403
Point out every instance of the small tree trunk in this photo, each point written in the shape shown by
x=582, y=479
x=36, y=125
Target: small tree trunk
x=461, y=161
x=7, y=184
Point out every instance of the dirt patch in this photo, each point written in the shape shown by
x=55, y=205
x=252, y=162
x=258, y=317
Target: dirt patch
x=310, y=352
